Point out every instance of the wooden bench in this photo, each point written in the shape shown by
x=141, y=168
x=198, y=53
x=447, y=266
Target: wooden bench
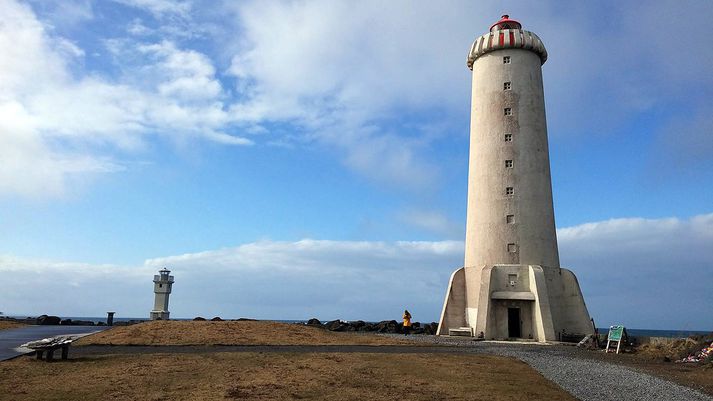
x=50, y=345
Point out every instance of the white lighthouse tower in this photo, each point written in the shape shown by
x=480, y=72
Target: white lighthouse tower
x=162, y=289
x=511, y=285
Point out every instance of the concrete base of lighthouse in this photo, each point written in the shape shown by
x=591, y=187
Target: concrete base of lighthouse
x=159, y=315
x=515, y=301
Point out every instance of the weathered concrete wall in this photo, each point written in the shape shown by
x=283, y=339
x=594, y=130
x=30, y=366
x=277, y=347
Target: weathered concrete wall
x=544, y=323
x=452, y=314
x=532, y=229
x=572, y=314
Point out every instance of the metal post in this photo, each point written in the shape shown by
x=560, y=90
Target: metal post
x=110, y=318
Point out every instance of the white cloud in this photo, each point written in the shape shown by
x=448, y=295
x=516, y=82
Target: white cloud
x=183, y=74
x=347, y=77
x=644, y=273
x=160, y=8
x=326, y=279
x=47, y=111
x=342, y=72
x=279, y=280
x=71, y=289
x=137, y=27
x=432, y=221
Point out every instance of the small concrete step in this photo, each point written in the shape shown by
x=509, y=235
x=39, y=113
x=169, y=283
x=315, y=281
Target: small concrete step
x=461, y=331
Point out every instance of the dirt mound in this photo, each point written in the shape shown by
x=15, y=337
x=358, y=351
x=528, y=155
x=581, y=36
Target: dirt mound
x=171, y=332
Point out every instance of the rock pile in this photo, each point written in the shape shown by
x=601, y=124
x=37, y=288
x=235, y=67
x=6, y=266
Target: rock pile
x=385, y=326
x=45, y=320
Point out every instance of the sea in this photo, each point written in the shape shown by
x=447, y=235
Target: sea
x=660, y=333
x=602, y=330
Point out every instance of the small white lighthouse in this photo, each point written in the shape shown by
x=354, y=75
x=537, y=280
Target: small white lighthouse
x=162, y=289
x=511, y=284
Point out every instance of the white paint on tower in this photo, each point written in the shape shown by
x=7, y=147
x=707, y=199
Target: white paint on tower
x=511, y=285
x=162, y=289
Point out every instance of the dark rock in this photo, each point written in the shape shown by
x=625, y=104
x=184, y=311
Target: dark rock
x=427, y=329
x=387, y=326
x=357, y=324
x=417, y=330
x=101, y=324
x=314, y=322
x=337, y=325
x=48, y=320
x=66, y=322
x=415, y=325
x=430, y=328
x=245, y=319
x=82, y=323
x=333, y=325
x=367, y=327
x=216, y=319
x=199, y=319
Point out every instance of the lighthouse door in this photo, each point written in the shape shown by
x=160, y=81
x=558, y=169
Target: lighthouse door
x=514, y=323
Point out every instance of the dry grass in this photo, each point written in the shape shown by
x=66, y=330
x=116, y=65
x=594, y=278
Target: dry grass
x=277, y=376
x=230, y=333
x=673, y=348
x=8, y=324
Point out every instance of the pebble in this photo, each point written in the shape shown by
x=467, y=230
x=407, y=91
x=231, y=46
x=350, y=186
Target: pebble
x=584, y=378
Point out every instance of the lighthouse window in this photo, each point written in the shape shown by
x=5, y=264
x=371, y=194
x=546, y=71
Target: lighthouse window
x=506, y=60
x=508, y=137
x=508, y=163
x=510, y=219
x=160, y=286
x=512, y=248
x=509, y=191
x=506, y=86
x=508, y=111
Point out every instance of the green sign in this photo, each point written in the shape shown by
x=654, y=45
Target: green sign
x=615, y=333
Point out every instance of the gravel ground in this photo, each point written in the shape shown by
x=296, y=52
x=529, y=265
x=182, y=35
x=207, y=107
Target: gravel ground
x=584, y=378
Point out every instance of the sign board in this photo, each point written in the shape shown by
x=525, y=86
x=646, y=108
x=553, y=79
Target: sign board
x=616, y=334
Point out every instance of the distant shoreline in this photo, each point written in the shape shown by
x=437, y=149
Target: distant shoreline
x=602, y=330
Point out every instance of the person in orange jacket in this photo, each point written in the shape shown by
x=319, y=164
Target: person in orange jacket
x=407, y=322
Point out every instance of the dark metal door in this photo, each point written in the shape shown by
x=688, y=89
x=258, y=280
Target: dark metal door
x=514, y=323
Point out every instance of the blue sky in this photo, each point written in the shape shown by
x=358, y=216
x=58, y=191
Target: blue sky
x=297, y=159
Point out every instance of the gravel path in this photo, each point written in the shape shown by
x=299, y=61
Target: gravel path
x=586, y=379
